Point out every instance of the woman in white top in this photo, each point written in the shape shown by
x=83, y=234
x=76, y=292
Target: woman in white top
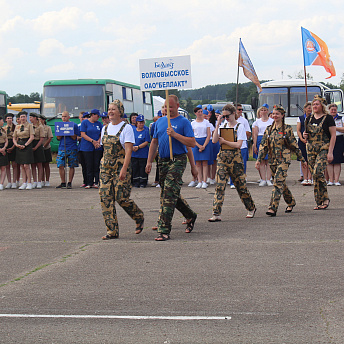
x=258, y=129
x=230, y=164
x=334, y=168
x=201, y=151
x=117, y=139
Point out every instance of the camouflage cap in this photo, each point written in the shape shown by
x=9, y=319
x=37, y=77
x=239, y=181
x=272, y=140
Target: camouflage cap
x=119, y=105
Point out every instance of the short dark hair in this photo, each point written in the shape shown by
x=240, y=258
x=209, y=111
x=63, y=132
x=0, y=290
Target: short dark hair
x=230, y=108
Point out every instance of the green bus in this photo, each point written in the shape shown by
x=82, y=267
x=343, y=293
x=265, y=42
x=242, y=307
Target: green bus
x=79, y=95
x=3, y=103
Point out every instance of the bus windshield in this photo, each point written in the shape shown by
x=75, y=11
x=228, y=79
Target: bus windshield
x=274, y=95
x=291, y=98
x=72, y=98
x=298, y=98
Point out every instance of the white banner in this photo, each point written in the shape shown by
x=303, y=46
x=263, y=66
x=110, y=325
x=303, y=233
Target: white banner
x=163, y=73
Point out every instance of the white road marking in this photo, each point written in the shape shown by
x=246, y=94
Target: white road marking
x=133, y=317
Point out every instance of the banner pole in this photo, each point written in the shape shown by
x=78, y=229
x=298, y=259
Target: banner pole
x=237, y=84
x=169, y=122
x=304, y=68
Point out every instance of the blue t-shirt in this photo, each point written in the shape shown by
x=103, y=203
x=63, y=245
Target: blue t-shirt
x=141, y=137
x=70, y=143
x=181, y=126
x=92, y=130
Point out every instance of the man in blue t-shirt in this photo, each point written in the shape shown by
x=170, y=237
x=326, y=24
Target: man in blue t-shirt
x=171, y=171
x=67, y=150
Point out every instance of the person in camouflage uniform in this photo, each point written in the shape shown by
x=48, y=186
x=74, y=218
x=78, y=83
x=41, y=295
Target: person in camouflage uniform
x=115, y=172
x=278, y=142
x=171, y=171
x=320, y=133
x=230, y=164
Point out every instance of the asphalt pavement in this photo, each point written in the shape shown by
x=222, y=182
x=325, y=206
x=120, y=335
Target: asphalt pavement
x=260, y=280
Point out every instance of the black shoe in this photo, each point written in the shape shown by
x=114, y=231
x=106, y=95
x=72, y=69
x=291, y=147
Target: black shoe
x=69, y=185
x=62, y=185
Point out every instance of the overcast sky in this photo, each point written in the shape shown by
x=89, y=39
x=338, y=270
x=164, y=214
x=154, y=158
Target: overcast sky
x=50, y=39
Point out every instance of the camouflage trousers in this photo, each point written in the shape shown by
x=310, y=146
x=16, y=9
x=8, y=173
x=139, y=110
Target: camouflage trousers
x=279, y=173
x=171, y=173
x=317, y=162
x=112, y=190
x=230, y=164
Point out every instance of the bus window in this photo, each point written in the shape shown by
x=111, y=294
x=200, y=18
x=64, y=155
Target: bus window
x=336, y=97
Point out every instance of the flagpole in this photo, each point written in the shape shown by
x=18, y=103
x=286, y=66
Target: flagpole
x=304, y=67
x=237, y=85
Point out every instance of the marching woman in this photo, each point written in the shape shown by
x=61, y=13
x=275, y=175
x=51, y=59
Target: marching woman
x=278, y=142
x=91, y=148
x=22, y=138
x=115, y=172
x=320, y=134
x=38, y=151
x=258, y=129
x=230, y=164
x=3, y=153
x=334, y=168
x=11, y=153
x=48, y=135
x=201, y=151
x=300, y=127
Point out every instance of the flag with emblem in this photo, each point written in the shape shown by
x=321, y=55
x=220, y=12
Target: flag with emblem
x=315, y=52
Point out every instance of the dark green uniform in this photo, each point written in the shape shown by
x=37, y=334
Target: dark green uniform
x=170, y=179
x=112, y=188
x=317, y=147
x=230, y=164
x=278, y=145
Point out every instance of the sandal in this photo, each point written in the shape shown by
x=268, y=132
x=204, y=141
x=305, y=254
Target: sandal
x=251, y=213
x=155, y=228
x=288, y=210
x=324, y=206
x=109, y=237
x=271, y=213
x=162, y=237
x=139, y=229
x=190, y=225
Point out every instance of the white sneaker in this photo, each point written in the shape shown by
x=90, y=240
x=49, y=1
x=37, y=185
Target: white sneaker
x=199, y=185
x=47, y=183
x=337, y=184
x=204, y=185
x=39, y=185
x=232, y=186
x=262, y=182
x=34, y=185
x=8, y=186
x=329, y=184
x=268, y=183
x=42, y=183
x=14, y=185
x=304, y=182
x=212, y=181
x=23, y=186
x=192, y=184
x=1, y=187
x=208, y=180
x=29, y=186
x=229, y=182
x=158, y=186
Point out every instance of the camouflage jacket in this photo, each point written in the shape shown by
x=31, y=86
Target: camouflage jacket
x=278, y=145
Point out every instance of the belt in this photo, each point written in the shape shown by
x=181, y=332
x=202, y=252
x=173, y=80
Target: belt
x=174, y=157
